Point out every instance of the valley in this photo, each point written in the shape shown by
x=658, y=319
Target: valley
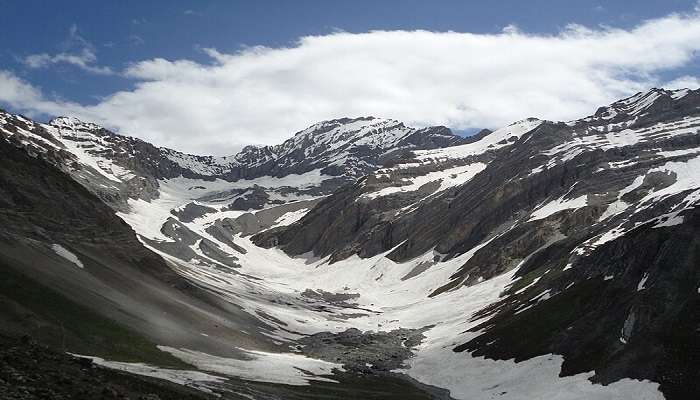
x=366, y=259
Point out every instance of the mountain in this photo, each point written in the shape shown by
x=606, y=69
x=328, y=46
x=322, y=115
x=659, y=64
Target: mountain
x=365, y=259
x=76, y=276
x=118, y=168
x=66, y=183
x=346, y=148
x=595, y=217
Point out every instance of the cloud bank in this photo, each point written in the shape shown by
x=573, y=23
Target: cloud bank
x=263, y=95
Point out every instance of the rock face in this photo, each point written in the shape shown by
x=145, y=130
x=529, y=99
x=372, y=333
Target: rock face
x=632, y=310
x=596, y=215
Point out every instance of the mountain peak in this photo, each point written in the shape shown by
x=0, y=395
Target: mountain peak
x=345, y=124
x=640, y=102
x=73, y=124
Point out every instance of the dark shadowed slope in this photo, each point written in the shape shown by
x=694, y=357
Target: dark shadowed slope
x=55, y=234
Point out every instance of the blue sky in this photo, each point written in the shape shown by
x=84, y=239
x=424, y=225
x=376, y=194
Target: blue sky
x=39, y=37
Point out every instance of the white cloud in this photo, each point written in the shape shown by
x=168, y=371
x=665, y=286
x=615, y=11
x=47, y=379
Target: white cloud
x=262, y=95
x=28, y=99
x=684, y=82
x=82, y=60
x=79, y=53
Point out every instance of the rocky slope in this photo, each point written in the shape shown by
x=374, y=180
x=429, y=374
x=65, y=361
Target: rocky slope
x=541, y=259
x=73, y=270
x=30, y=371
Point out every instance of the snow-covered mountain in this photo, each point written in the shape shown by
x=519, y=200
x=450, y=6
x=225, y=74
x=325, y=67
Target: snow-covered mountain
x=541, y=260
x=593, y=220
x=118, y=168
x=347, y=147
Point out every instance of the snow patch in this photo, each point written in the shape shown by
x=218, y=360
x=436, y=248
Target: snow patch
x=448, y=178
x=284, y=368
x=67, y=254
x=558, y=205
x=497, y=139
x=642, y=282
x=194, y=379
x=290, y=217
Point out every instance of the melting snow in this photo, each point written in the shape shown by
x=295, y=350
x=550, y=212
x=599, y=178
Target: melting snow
x=195, y=379
x=670, y=221
x=499, y=138
x=642, y=282
x=556, y=206
x=285, y=368
x=67, y=254
x=290, y=217
x=448, y=178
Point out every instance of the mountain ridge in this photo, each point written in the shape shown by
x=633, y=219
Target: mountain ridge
x=601, y=205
